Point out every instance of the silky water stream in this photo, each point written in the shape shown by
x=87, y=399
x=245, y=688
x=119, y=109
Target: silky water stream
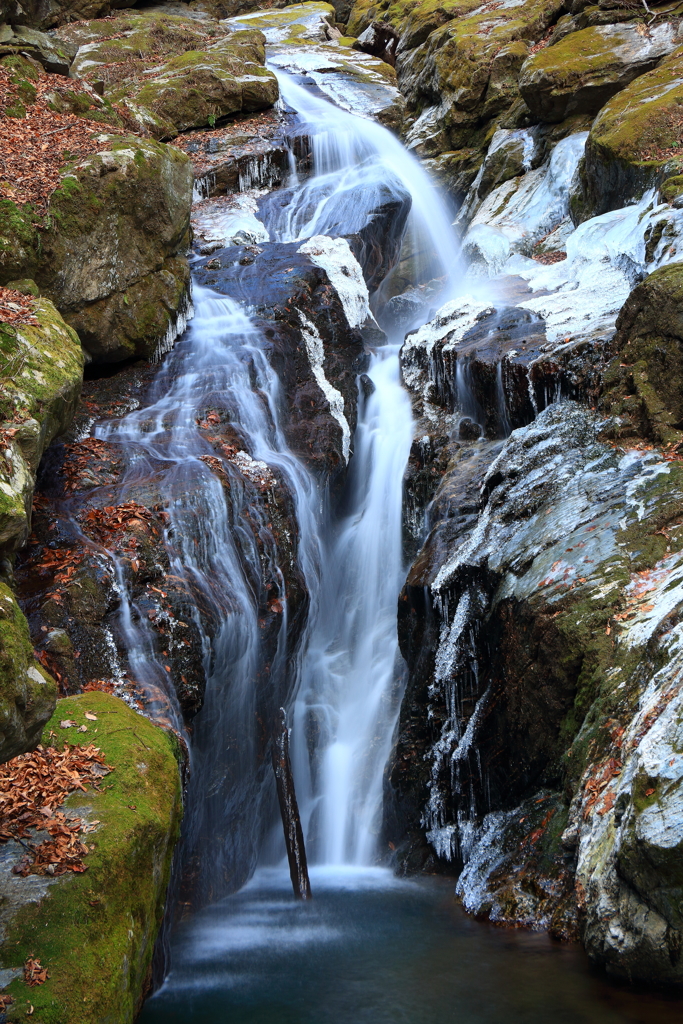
x=368, y=947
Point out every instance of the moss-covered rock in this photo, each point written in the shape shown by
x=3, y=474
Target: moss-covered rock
x=20, y=243
x=54, y=54
x=41, y=369
x=27, y=692
x=199, y=87
x=584, y=69
x=95, y=931
x=635, y=141
x=119, y=218
x=173, y=72
x=644, y=384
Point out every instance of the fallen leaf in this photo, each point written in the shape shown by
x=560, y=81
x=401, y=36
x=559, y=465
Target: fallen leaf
x=91, y=718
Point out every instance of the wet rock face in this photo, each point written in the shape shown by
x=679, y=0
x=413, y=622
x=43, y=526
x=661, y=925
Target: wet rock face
x=373, y=219
x=540, y=626
x=311, y=312
x=492, y=366
x=584, y=69
x=251, y=153
x=95, y=531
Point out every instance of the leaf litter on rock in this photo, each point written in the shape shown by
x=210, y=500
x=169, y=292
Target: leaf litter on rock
x=32, y=788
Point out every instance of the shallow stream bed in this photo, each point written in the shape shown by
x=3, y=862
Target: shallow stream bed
x=372, y=949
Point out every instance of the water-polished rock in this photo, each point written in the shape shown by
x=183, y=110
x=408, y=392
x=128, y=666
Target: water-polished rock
x=311, y=303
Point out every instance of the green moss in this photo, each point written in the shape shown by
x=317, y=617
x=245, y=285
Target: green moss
x=27, y=693
x=46, y=363
x=672, y=188
x=19, y=240
x=95, y=932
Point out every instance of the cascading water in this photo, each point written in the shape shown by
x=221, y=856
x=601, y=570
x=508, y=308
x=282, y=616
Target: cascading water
x=351, y=673
x=220, y=364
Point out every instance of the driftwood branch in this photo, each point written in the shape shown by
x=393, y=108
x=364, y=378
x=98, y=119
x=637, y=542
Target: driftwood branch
x=291, y=823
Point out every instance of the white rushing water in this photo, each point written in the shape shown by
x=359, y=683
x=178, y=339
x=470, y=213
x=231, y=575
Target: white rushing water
x=350, y=690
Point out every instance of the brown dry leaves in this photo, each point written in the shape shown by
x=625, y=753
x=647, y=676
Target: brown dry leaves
x=34, y=972
x=33, y=148
x=16, y=308
x=32, y=788
x=601, y=777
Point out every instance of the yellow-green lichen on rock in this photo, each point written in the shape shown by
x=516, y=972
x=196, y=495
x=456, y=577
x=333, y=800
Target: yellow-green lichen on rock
x=173, y=72
x=95, y=931
x=199, y=87
x=27, y=693
x=584, y=69
x=458, y=64
x=635, y=141
x=41, y=370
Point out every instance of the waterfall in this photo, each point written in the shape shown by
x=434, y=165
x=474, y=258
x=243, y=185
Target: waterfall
x=351, y=678
x=343, y=678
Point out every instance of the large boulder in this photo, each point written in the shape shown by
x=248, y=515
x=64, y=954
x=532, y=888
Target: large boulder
x=171, y=72
x=110, y=910
x=112, y=258
x=102, y=222
x=634, y=143
x=584, y=69
x=200, y=86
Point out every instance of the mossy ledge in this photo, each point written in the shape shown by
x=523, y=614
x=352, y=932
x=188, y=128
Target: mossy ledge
x=95, y=932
